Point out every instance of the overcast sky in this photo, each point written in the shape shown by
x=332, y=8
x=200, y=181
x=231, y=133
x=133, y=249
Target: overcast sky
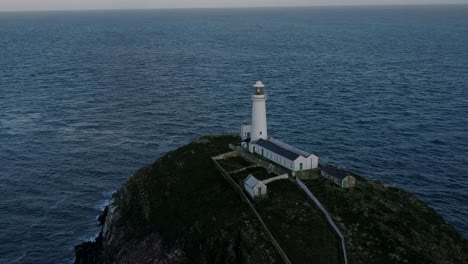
x=8, y=5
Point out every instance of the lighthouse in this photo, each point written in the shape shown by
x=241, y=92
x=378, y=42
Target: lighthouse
x=259, y=121
x=254, y=139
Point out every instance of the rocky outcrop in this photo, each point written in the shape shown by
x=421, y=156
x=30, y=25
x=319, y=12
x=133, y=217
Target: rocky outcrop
x=112, y=246
x=179, y=210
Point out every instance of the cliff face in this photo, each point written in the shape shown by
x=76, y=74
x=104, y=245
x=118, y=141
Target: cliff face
x=115, y=244
x=180, y=210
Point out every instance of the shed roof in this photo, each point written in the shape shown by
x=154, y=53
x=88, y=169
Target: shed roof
x=251, y=181
x=277, y=149
x=334, y=171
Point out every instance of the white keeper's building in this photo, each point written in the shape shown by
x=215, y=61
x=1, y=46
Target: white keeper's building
x=255, y=138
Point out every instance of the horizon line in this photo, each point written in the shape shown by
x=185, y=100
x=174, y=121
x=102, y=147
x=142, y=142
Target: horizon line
x=232, y=7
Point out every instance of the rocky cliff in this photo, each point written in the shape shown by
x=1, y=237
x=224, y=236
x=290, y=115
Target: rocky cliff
x=179, y=210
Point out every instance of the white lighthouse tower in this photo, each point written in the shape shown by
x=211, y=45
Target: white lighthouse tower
x=259, y=121
x=254, y=138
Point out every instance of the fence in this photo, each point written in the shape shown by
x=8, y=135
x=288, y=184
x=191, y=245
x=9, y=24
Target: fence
x=344, y=257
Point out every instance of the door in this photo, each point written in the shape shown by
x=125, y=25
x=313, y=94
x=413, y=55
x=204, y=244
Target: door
x=343, y=184
x=248, y=134
x=262, y=152
x=259, y=191
x=300, y=166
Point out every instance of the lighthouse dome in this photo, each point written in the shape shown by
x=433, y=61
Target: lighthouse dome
x=259, y=84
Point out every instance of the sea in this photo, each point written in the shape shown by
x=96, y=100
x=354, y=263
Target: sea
x=88, y=97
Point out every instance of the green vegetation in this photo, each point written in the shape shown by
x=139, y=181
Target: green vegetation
x=181, y=210
x=388, y=225
x=298, y=226
x=183, y=198
x=259, y=173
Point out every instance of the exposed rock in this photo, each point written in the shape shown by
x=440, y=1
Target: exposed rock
x=179, y=210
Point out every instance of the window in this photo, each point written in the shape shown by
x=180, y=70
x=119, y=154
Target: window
x=260, y=132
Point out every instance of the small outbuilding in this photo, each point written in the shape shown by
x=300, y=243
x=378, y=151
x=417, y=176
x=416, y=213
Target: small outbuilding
x=340, y=177
x=254, y=187
x=246, y=129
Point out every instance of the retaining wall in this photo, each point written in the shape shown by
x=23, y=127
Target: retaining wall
x=227, y=155
x=272, y=179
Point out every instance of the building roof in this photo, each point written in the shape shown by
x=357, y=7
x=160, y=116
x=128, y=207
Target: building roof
x=289, y=147
x=334, y=171
x=251, y=181
x=267, y=144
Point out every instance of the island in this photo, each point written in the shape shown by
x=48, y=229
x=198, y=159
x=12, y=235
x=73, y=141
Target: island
x=251, y=198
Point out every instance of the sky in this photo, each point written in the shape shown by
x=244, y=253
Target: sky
x=22, y=5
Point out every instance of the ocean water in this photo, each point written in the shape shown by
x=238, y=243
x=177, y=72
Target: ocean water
x=86, y=98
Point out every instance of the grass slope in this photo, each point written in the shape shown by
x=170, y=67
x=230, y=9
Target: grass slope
x=183, y=198
x=298, y=226
x=388, y=225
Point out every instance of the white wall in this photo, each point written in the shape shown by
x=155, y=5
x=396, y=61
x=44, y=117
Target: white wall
x=244, y=130
x=297, y=163
x=259, y=121
x=262, y=186
x=279, y=177
x=314, y=161
x=308, y=163
x=273, y=157
x=254, y=191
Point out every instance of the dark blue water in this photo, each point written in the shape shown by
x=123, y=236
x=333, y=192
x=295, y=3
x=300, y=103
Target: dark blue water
x=86, y=98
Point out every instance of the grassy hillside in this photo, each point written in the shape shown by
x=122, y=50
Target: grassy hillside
x=388, y=225
x=183, y=198
x=181, y=210
x=297, y=225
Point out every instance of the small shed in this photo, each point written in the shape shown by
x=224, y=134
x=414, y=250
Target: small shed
x=340, y=177
x=254, y=187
